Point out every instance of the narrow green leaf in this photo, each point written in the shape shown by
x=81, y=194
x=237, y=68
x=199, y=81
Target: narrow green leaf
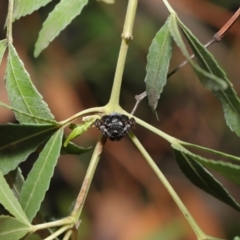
x=12, y=229
x=79, y=130
x=207, y=79
x=25, y=7
x=3, y=46
x=22, y=93
x=158, y=59
x=198, y=175
x=218, y=153
x=228, y=97
x=228, y=170
x=15, y=181
x=42, y=120
x=9, y=201
x=72, y=148
x=38, y=180
x=17, y=142
x=231, y=108
x=58, y=19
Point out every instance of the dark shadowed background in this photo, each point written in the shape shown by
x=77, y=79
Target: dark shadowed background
x=126, y=201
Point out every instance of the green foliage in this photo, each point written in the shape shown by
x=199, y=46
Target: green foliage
x=10, y=203
x=191, y=166
x=158, y=57
x=22, y=93
x=227, y=97
x=38, y=130
x=72, y=148
x=12, y=229
x=38, y=180
x=208, y=80
x=3, y=46
x=15, y=181
x=57, y=20
x=79, y=130
x=25, y=7
x=17, y=142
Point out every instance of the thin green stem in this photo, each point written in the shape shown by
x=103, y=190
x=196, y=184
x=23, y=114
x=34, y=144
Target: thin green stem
x=77, y=115
x=58, y=232
x=65, y=221
x=200, y=234
x=87, y=180
x=67, y=235
x=168, y=6
x=9, y=21
x=160, y=133
x=126, y=36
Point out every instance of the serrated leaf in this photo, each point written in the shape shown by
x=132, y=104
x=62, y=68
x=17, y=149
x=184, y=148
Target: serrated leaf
x=22, y=93
x=72, y=148
x=198, y=175
x=15, y=181
x=12, y=229
x=79, y=130
x=228, y=97
x=9, y=201
x=205, y=149
x=158, y=59
x=231, y=108
x=3, y=46
x=25, y=7
x=38, y=179
x=229, y=170
x=17, y=142
x=207, y=79
x=58, y=19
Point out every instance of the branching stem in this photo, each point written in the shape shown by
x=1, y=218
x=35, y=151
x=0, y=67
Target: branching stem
x=169, y=188
x=113, y=103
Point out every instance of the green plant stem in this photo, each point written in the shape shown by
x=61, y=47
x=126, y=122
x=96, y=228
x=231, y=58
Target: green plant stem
x=168, y=6
x=65, y=221
x=9, y=21
x=67, y=235
x=58, y=232
x=113, y=103
x=87, y=180
x=160, y=133
x=200, y=234
x=77, y=115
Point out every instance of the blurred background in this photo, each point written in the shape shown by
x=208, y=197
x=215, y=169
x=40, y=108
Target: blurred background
x=126, y=200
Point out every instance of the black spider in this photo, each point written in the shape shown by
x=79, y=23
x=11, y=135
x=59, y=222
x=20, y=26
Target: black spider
x=115, y=125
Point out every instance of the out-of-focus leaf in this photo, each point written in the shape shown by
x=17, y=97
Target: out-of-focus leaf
x=22, y=93
x=79, y=130
x=231, y=108
x=15, y=181
x=218, y=153
x=25, y=7
x=198, y=175
x=17, y=142
x=228, y=170
x=207, y=79
x=72, y=148
x=158, y=59
x=228, y=97
x=3, y=46
x=58, y=19
x=38, y=180
x=12, y=229
x=9, y=201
